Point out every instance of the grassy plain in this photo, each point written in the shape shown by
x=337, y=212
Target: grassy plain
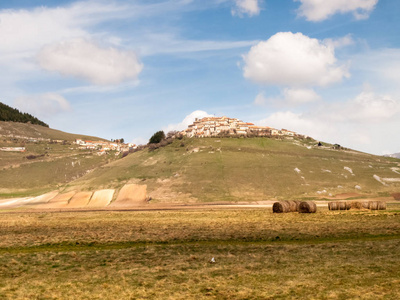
x=166, y=254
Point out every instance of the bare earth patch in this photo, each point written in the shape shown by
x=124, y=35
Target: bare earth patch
x=101, y=198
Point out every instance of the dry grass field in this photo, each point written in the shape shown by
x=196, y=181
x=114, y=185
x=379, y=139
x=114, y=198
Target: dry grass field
x=166, y=254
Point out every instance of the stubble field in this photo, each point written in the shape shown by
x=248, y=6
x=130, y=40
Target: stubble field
x=166, y=254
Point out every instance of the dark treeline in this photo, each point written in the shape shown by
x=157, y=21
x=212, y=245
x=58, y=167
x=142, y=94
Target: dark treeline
x=8, y=113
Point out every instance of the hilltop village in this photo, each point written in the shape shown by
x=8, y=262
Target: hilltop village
x=104, y=146
x=224, y=126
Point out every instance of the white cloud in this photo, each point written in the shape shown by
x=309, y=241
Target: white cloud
x=24, y=31
x=364, y=123
x=166, y=43
x=292, y=121
x=319, y=10
x=298, y=96
x=289, y=96
x=367, y=107
x=290, y=59
x=340, y=42
x=189, y=119
x=84, y=59
x=249, y=7
x=43, y=105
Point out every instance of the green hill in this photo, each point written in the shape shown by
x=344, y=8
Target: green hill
x=8, y=113
x=50, y=159
x=247, y=169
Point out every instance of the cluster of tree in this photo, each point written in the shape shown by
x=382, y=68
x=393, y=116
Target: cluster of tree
x=159, y=139
x=118, y=141
x=8, y=113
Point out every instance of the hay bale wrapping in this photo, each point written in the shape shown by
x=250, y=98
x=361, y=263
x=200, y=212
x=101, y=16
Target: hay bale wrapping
x=307, y=207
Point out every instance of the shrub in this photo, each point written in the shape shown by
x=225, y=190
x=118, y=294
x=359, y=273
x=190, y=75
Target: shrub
x=157, y=137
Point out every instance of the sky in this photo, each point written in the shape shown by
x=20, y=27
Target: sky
x=126, y=69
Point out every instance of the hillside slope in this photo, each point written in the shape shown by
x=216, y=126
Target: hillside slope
x=50, y=159
x=247, y=169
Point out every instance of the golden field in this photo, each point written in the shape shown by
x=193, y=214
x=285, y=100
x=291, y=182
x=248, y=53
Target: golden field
x=165, y=254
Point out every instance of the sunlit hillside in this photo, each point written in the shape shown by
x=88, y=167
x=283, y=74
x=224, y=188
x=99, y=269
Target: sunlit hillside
x=248, y=169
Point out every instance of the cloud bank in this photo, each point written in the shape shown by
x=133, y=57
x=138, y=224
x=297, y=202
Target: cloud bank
x=84, y=59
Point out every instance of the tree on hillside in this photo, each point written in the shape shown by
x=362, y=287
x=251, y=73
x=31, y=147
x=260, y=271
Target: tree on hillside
x=8, y=114
x=157, y=137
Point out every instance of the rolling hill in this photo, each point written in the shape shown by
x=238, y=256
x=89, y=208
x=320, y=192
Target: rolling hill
x=247, y=169
x=192, y=170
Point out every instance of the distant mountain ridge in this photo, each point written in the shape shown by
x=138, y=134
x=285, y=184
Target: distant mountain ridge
x=8, y=114
x=394, y=155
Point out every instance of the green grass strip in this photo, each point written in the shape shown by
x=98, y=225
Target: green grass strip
x=85, y=246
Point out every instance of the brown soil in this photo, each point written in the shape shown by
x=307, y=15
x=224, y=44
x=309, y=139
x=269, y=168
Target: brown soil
x=59, y=201
x=80, y=199
x=131, y=195
x=101, y=198
x=44, y=198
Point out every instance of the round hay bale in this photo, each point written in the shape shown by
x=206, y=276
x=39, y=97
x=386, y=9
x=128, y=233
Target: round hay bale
x=365, y=204
x=338, y=205
x=377, y=205
x=333, y=205
x=382, y=205
x=373, y=205
x=348, y=205
x=297, y=205
x=341, y=205
x=281, y=207
x=293, y=205
x=307, y=207
x=355, y=205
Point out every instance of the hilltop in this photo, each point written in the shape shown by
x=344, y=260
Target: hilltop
x=8, y=113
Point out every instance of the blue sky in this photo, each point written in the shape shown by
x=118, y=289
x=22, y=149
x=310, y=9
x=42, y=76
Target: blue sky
x=328, y=69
